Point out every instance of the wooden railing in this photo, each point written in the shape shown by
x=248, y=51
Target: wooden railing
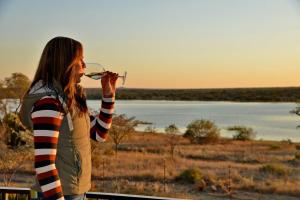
x=90, y=195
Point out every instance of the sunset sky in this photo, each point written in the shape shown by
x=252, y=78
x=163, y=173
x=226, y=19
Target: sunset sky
x=162, y=43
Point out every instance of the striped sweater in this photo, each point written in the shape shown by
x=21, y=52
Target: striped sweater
x=47, y=115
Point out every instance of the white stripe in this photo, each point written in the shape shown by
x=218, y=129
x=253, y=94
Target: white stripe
x=50, y=186
x=61, y=198
x=108, y=100
x=107, y=111
x=103, y=124
x=39, y=152
x=93, y=122
x=47, y=113
x=45, y=133
x=48, y=97
x=98, y=138
x=45, y=169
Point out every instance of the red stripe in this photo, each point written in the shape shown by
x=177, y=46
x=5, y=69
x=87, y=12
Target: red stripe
x=106, y=120
x=44, y=157
x=47, y=174
x=47, y=120
x=47, y=100
x=103, y=135
x=53, y=191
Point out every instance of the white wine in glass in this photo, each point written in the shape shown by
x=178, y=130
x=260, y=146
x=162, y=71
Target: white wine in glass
x=96, y=71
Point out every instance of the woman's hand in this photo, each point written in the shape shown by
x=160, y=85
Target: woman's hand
x=108, y=82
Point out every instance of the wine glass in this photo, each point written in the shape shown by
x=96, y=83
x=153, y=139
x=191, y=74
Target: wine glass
x=96, y=71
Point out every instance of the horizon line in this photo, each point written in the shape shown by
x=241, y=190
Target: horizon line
x=270, y=87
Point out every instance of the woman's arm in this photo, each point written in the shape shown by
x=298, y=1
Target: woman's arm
x=47, y=118
x=101, y=122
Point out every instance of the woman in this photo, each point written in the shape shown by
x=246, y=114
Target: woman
x=55, y=108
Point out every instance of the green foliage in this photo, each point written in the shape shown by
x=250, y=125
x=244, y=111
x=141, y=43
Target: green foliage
x=14, y=130
x=275, y=147
x=275, y=169
x=150, y=129
x=297, y=155
x=202, y=131
x=192, y=175
x=172, y=129
x=242, y=133
x=16, y=85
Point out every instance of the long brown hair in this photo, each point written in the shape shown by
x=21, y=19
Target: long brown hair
x=58, y=64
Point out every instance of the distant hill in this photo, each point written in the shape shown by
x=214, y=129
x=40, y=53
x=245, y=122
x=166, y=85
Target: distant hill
x=282, y=94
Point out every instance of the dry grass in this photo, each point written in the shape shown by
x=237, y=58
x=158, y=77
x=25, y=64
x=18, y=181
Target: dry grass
x=144, y=166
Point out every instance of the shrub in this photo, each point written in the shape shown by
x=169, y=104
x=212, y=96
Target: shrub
x=275, y=147
x=274, y=169
x=242, y=133
x=297, y=155
x=150, y=129
x=202, y=131
x=191, y=175
x=14, y=130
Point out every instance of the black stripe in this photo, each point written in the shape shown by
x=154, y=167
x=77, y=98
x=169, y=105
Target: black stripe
x=93, y=135
x=105, y=115
x=44, y=126
x=48, y=106
x=92, y=117
x=48, y=180
x=45, y=145
x=108, y=103
x=101, y=128
x=43, y=163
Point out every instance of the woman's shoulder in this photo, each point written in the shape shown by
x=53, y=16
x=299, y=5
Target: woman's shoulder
x=48, y=102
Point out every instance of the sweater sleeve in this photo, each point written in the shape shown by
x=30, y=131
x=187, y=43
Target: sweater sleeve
x=47, y=118
x=101, y=122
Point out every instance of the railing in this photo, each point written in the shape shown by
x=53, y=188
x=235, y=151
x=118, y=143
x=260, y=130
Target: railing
x=90, y=195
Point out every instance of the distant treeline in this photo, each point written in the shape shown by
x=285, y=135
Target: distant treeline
x=284, y=94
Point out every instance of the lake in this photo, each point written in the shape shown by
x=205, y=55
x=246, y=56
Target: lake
x=271, y=121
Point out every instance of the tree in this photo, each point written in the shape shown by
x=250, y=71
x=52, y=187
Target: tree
x=172, y=131
x=202, y=131
x=16, y=86
x=122, y=127
x=150, y=129
x=242, y=133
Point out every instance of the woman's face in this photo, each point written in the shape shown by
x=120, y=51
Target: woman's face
x=80, y=69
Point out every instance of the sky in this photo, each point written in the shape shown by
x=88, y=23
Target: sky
x=162, y=43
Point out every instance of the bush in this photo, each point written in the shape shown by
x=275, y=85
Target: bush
x=274, y=169
x=150, y=129
x=242, y=133
x=14, y=130
x=297, y=155
x=192, y=175
x=202, y=131
x=275, y=147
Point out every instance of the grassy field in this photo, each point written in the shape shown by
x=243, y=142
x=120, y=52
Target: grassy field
x=227, y=169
